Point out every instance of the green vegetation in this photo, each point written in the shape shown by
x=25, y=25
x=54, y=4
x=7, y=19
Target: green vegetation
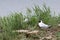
x=15, y=22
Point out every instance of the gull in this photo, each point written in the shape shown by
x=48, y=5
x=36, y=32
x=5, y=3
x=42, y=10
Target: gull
x=43, y=25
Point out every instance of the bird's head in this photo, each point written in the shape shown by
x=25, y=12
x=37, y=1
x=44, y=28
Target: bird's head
x=40, y=21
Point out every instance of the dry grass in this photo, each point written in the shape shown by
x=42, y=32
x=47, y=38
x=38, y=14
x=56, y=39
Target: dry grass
x=41, y=35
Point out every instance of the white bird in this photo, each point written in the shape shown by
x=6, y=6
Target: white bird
x=43, y=25
x=59, y=25
x=26, y=20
